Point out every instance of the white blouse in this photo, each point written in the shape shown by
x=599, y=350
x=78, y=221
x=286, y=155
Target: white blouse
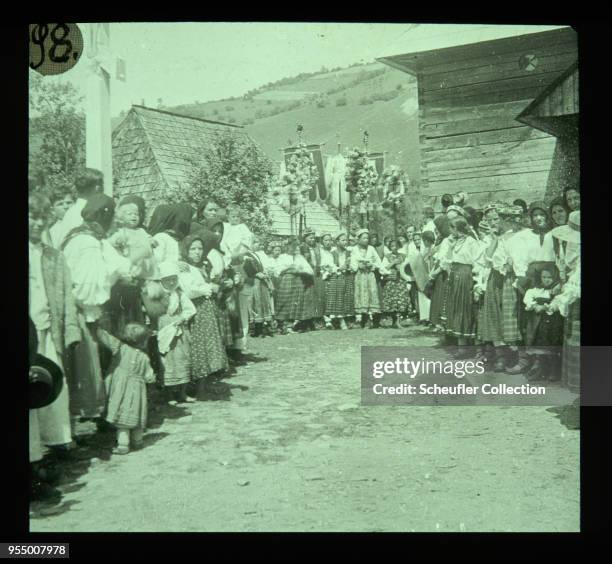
x=524, y=247
x=301, y=265
x=167, y=248
x=369, y=254
x=464, y=251
x=94, y=267
x=193, y=283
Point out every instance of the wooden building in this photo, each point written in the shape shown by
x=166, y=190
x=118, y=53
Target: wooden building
x=153, y=151
x=498, y=109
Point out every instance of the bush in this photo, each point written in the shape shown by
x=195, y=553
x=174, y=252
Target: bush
x=269, y=102
x=363, y=101
x=320, y=104
x=232, y=119
x=341, y=101
x=229, y=108
x=398, y=87
x=260, y=114
x=215, y=112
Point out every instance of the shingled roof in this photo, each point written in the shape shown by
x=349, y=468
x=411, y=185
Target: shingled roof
x=153, y=151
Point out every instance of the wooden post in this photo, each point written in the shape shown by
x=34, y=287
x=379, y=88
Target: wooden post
x=98, y=144
x=395, y=220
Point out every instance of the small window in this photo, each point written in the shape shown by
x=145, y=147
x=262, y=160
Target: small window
x=528, y=62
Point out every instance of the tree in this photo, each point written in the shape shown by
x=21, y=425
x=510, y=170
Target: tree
x=57, y=132
x=230, y=171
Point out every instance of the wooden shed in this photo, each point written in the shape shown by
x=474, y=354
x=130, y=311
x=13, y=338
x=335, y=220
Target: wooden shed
x=491, y=108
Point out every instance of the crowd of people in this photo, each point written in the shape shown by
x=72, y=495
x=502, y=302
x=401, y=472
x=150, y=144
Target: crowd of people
x=123, y=304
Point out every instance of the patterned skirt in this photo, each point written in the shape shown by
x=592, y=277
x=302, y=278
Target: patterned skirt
x=176, y=363
x=127, y=400
x=319, y=296
x=510, y=311
x=224, y=324
x=396, y=297
x=295, y=299
x=340, y=295
x=571, y=349
x=261, y=302
x=490, y=314
x=367, y=293
x=460, y=303
x=207, y=346
x=437, y=307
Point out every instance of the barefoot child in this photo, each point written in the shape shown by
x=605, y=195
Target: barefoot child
x=130, y=371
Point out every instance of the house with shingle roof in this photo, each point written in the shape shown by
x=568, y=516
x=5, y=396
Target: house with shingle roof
x=153, y=152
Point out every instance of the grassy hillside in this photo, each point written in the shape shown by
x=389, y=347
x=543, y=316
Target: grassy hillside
x=335, y=105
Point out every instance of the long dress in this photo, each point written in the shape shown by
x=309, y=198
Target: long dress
x=395, y=292
x=462, y=261
x=176, y=355
x=295, y=295
x=340, y=290
x=207, y=346
x=94, y=266
x=126, y=384
x=261, y=306
x=364, y=263
x=437, y=309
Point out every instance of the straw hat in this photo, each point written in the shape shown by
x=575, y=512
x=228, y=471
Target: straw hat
x=571, y=231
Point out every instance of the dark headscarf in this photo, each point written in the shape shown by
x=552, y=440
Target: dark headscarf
x=557, y=202
x=541, y=231
x=442, y=225
x=97, y=218
x=140, y=204
x=208, y=239
x=174, y=219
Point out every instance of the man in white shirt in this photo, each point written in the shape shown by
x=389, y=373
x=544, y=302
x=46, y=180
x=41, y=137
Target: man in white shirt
x=87, y=184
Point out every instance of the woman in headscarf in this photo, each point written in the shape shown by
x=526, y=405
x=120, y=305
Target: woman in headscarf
x=490, y=285
x=169, y=225
x=533, y=250
x=208, y=356
x=364, y=263
x=438, y=275
x=294, y=304
x=567, y=302
x=340, y=297
x=95, y=266
x=463, y=260
x=230, y=281
x=133, y=242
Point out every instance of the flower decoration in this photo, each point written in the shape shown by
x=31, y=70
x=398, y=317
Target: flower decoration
x=294, y=185
x=394, y=183
x=361, y=175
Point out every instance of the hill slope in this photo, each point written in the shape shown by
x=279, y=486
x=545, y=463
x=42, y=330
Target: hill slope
x=335, y=106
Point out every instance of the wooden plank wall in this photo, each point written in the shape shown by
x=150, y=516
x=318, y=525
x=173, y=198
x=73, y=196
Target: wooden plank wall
x=468, y=100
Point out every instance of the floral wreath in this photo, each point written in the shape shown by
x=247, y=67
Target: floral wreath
x=394, y=184
x=294, y=185
x=361, y=175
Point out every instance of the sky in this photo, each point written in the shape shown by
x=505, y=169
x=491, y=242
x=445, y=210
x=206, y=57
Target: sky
x=186, y=62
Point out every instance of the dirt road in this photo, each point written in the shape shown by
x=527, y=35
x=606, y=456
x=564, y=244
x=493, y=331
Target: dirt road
x=291, y=449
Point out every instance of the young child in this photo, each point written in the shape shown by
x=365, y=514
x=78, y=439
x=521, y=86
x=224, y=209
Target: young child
x=396, y=292
x=130, y=371
x=237, y=237
x=544, y=326
x=173, y=336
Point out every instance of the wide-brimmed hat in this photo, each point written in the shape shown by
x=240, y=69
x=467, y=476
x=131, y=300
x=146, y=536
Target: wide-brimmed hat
x=308, y=232
x=571, y=231
x=45, y=382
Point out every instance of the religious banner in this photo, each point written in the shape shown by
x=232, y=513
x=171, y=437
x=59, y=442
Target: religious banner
x=319, y=190
x=376, y=196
